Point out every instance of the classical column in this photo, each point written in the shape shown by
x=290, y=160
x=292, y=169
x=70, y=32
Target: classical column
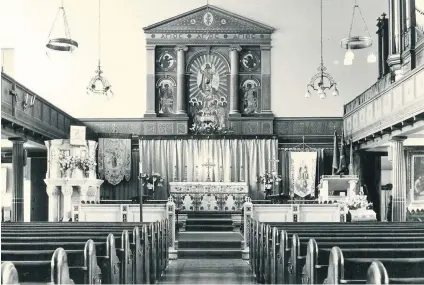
x=395, y=35
x=398, y=180
x=234, y=66
x=266, y=80
x=181, y=96
x=18, y=157
x=54, y=194
x=150, y=81
x=67, y=202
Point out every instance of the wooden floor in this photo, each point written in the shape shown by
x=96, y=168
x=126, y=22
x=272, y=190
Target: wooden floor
x=208, y=271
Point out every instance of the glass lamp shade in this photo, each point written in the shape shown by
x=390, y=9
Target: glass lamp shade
x=371, y=58
x=335, y=92
x=349, y=54
x=307, y=94
x=347, y=61
x=321, y=93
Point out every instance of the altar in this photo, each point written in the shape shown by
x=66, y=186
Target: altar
x=209, y=196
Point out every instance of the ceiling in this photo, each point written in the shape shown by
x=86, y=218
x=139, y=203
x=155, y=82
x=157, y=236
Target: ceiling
x=62, y=80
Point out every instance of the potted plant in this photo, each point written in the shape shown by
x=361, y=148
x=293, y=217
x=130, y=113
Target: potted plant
x=150, y=181
x=269, y=179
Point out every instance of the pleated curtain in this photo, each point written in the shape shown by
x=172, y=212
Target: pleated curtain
x=231, y=160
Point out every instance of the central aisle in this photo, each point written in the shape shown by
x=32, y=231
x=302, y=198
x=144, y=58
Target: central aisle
x=208, y=271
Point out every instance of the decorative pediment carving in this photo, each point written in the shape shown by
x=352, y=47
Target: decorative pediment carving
x=209, y=19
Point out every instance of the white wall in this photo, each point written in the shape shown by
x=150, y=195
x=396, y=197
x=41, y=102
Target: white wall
x=25, y=24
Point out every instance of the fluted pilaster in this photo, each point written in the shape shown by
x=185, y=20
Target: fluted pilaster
x=150, y=82
x=395, y=36
x=234, y=71
x=181, y=102
x=398, y=179
x=18, y=154
x=67, y=202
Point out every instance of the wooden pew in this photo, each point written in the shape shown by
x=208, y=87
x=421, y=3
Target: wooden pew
x=122, y=274
x=317, y=257
x=9, y=274
x=56, y=270
x=158, y=256
x=266, y=267
x=125, y=253
x=352, y=270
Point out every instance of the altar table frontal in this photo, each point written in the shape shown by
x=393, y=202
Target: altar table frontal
x=299, y=212
x=209, y=196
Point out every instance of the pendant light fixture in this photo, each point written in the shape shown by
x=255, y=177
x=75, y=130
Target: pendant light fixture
x=65, y=43
x=322, y=81
x=357, y=42
x=99, y=85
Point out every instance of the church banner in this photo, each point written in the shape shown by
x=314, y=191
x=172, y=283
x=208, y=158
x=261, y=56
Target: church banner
x=302, y=173
x=114, y=159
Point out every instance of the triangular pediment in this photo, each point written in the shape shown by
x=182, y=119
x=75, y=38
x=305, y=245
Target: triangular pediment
x=209, y=19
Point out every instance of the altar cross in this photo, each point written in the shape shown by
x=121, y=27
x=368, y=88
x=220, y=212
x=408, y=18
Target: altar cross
x=273, y=161
x=208, y=165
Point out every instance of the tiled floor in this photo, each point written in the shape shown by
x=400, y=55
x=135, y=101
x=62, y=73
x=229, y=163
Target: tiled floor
x=208, y=271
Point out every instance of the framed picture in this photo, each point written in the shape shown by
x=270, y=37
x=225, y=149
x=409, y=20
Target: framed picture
x=77, y=135
x=417, y=179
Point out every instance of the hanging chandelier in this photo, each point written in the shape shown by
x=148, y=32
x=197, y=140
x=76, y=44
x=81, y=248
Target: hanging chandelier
x=65, y=43
x=357, y=42
x=322, y=81
x=99, y=85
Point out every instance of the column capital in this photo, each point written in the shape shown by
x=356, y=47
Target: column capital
x=235, y=48
x=398, y=139
x=181, y=48
x=265, y=47
x=67, y=190
x=150, y=47
x=52, y=190
x=18, y=140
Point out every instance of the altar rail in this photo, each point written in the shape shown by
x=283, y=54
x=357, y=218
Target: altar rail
x=289, y=213
x=128, y=213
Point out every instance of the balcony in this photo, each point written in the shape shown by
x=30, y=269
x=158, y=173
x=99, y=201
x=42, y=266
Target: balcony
x=24, y=113
x=385, y=105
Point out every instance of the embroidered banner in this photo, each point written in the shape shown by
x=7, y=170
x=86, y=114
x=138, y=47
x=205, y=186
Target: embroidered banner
x=114, y=159
x=302, y=173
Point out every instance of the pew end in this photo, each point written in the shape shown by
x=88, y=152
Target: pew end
x=335, y=270
x=59, y=268
x=377, y=274
x=9, y=274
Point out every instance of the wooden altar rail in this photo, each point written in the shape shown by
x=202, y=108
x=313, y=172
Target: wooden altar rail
x=292, y=213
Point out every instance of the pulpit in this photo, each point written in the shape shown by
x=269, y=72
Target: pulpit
x=337, y=188
x=71, y=177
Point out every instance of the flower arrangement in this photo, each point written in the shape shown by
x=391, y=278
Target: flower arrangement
x=86, y=164
x=66, y=162
x=269, y=178
x=151, y=180
x=358, y=202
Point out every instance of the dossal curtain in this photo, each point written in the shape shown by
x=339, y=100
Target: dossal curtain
x=227, y=160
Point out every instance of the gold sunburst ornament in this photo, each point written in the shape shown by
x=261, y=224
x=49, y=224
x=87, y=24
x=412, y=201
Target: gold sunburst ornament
x=99, y=85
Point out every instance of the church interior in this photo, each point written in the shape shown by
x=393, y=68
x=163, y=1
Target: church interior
x=212, y=142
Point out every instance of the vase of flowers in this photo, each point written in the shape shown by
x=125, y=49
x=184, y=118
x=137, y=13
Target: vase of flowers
x=86, y=165
x=150, y=181
x=67, y=164
x=269, y=179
